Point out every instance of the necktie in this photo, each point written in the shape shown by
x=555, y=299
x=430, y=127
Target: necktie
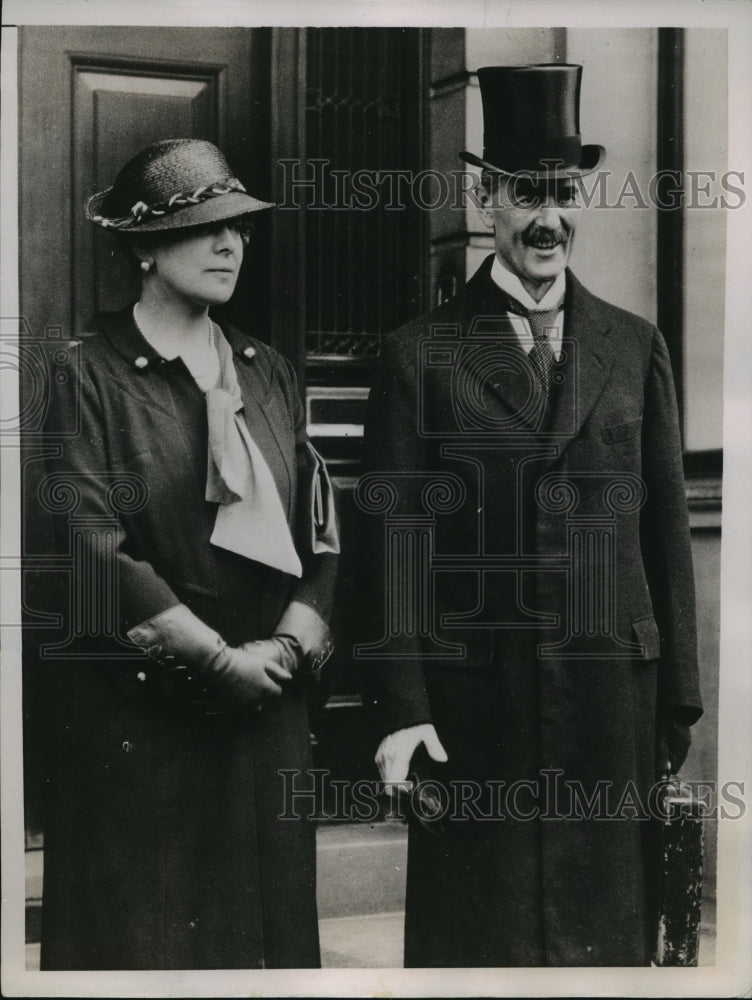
x=541, y=320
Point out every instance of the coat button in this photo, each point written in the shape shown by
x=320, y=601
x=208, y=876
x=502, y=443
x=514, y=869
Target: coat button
x=249, y=352
x=141, y=362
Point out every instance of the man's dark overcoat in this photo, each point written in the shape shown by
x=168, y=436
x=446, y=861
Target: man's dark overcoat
x=163, y=847
x=567, y=655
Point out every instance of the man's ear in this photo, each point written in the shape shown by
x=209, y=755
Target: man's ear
x=485, y=202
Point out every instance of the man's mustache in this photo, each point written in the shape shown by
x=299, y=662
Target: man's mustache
x=540, y=236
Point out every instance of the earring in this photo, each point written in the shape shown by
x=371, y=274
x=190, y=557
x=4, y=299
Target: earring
x=146, y=266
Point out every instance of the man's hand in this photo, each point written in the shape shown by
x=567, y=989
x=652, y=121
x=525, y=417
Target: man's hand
x=396, y=750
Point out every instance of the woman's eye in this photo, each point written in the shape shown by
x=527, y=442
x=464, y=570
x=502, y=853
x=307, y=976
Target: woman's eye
x=244, y=230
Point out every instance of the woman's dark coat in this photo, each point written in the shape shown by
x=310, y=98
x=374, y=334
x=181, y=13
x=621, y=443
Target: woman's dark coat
x=163, y=847
x=449, y=432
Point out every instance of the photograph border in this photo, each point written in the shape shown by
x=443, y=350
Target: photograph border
x=732, y=973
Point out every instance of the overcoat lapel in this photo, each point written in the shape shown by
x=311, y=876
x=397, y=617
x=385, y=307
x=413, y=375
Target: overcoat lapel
x=591, y=356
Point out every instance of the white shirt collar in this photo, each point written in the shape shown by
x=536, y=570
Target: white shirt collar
x=512, y=285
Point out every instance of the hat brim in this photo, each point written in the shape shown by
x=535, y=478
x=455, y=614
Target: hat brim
x=218, y=209
x=592, y=157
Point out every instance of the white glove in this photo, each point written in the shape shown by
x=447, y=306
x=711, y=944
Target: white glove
x=396, y=750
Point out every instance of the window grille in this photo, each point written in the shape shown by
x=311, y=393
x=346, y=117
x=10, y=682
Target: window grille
x=362, y=114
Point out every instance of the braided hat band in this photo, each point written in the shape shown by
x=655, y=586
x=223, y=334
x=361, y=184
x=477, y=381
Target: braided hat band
x=174, y=184
x=141, y=212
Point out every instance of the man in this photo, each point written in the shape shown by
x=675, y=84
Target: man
x=535, y=651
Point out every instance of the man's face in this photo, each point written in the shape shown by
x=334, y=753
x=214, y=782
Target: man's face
x=534, y=224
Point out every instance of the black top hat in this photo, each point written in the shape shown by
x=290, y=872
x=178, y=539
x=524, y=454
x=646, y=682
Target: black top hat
x=173, y=184
x=531, y=122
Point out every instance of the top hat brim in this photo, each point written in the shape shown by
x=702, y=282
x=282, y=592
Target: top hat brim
x=218, y=209
x=592, y=157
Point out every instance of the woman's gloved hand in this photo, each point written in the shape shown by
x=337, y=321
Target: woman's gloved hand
x=284, y=651
x=246, y=676
x=242, y=677
x=302, y=639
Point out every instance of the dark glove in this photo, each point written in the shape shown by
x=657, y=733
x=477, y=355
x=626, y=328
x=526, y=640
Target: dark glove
x=242, y=677
x=674, y=741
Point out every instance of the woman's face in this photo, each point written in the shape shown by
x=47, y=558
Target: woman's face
x=199, y=265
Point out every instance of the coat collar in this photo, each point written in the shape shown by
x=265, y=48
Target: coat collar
x=127, y=340
x=255, y=377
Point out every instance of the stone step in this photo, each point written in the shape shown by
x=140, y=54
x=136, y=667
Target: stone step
x=361, y=868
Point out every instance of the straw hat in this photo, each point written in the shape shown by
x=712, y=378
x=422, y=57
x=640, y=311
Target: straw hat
x=173, y=184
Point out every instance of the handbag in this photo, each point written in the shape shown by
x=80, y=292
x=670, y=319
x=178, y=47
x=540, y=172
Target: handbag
x=680, y=888
x=319, y=518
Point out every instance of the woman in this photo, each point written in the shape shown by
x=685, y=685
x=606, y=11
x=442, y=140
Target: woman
x=205, y=542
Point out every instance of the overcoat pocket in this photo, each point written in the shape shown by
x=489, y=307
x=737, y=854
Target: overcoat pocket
x=647, y=634
x=621, y=432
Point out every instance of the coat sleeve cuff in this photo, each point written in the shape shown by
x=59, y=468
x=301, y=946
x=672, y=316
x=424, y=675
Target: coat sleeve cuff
x=177, y=638
x=311, y=632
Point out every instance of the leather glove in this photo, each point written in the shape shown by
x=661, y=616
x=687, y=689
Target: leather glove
x=305, y=635
x=283, y=650
x=242, y=677
x=245, y=677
